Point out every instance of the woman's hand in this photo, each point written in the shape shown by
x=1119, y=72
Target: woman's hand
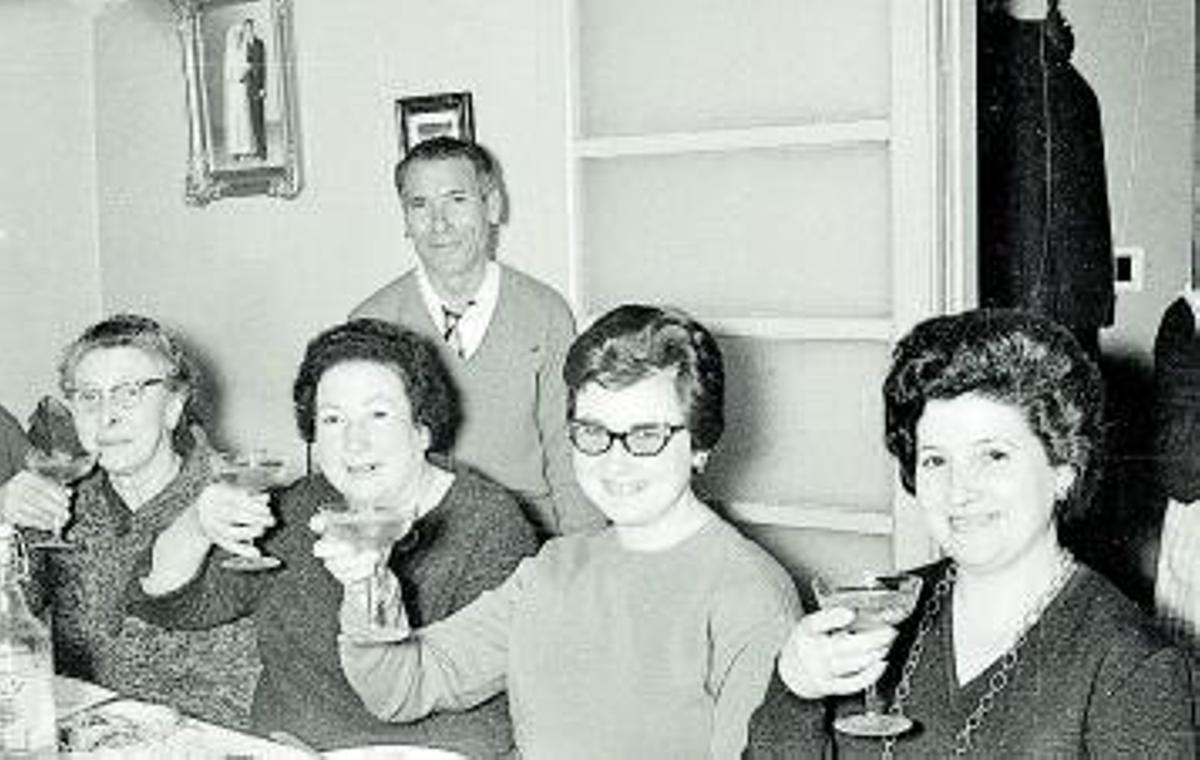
x=342, y=559
x=823, y=657
x=223, y=515
x=232, y=518
x=28, y=499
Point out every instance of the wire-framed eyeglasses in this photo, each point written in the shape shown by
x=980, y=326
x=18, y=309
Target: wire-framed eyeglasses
x=593, y=439
x=124, y=396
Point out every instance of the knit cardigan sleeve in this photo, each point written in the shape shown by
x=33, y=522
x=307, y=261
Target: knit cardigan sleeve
x=571, y=510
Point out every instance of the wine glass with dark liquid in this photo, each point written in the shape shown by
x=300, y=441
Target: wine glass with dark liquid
x=875, y=602
x=376, y=528
x=64, y=468
x=254, y=472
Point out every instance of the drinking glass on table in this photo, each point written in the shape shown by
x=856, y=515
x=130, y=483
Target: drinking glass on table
x=64, y=468
x=373, y=528
x=876, y=601
x=254, y=472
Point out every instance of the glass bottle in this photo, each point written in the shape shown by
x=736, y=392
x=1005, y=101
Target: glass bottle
x=27, y=719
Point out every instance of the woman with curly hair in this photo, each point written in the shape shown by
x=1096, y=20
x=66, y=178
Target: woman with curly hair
x=1016, y=648
x=376, y=405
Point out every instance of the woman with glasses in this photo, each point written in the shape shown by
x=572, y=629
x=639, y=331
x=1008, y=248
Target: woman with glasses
x=129, y=388
x=653, y=637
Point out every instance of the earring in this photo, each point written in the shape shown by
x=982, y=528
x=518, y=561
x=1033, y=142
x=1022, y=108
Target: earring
x=699, y=461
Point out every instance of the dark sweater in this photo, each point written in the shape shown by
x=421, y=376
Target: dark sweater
x=1093, y=679
x=13, y=446
x=467, y=544
x=209, y=674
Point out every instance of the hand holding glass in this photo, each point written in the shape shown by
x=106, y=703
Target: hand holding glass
x=254, y=473
x=875, y=602
x=372, y=529
x=63, y=468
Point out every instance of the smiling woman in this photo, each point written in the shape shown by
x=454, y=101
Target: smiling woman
x=654, y=637
x=130, y=388
x=375, y=402
x=995, y=420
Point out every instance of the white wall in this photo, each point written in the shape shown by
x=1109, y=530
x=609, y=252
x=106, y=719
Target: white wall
x=249, y=280
x=1138, y=56
x=49, y=286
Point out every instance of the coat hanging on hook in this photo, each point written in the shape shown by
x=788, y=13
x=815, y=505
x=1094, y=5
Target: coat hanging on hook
x=1045, y=241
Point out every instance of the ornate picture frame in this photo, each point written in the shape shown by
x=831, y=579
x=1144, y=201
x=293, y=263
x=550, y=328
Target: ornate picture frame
x=424, y=116
x=239, y=71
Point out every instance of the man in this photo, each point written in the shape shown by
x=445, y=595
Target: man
x=502, y=333
x=245, y=92
x=255, y=82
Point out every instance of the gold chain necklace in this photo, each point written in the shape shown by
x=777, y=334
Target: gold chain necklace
x=1008, y=661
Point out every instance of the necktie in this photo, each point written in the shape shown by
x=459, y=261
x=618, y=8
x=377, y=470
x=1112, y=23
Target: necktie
x=450, y=332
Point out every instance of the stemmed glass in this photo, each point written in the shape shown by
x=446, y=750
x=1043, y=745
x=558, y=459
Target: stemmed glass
x=64, y=468
x=378, y=528
x=875, y=601
x=254, y=472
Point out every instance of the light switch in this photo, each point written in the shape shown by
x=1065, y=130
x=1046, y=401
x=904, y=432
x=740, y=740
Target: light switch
x=1129, y=268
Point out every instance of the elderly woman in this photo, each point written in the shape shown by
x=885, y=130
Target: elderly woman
x=376, y=405
x=1016, y=649
x=654, y=637
x=129, y=387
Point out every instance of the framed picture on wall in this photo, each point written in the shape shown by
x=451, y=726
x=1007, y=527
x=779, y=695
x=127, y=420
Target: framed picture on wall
x=425, y=116
x=242, y=122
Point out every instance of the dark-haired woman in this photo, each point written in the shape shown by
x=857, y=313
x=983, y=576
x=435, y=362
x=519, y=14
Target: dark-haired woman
x=652, y=638
x=375, y=403
x=1016, y=648
x=129, y=386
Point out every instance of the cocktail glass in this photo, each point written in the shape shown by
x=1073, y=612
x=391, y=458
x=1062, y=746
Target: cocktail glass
x=254, y=472
x=376, y=528
x=64, y=468
x=875, y=601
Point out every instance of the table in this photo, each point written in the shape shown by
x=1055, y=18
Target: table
x=189, y=739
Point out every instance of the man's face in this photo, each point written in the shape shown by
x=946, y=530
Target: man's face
x=449, y=215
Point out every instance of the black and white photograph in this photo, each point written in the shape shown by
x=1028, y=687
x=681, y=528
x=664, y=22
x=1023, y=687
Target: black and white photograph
x=238, y=58
x=421, y=117
x=600, y=379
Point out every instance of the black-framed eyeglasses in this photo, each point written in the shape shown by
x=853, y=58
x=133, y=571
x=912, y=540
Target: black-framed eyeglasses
x=647, y=440
x=124, y=396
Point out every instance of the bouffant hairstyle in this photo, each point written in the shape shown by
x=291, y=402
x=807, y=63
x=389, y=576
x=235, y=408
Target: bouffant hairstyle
x=444, y=148
x=1011, y=357
x=415, y=361
x=634, y=341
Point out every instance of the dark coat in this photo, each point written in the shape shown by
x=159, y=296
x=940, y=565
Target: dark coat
x=1045, y=241
x=1177, y=403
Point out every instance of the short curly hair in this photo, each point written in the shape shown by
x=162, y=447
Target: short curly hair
x=132, y=331
x=431, y=393
x=634, y=341
x=151, y=338
x=1012, y=357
